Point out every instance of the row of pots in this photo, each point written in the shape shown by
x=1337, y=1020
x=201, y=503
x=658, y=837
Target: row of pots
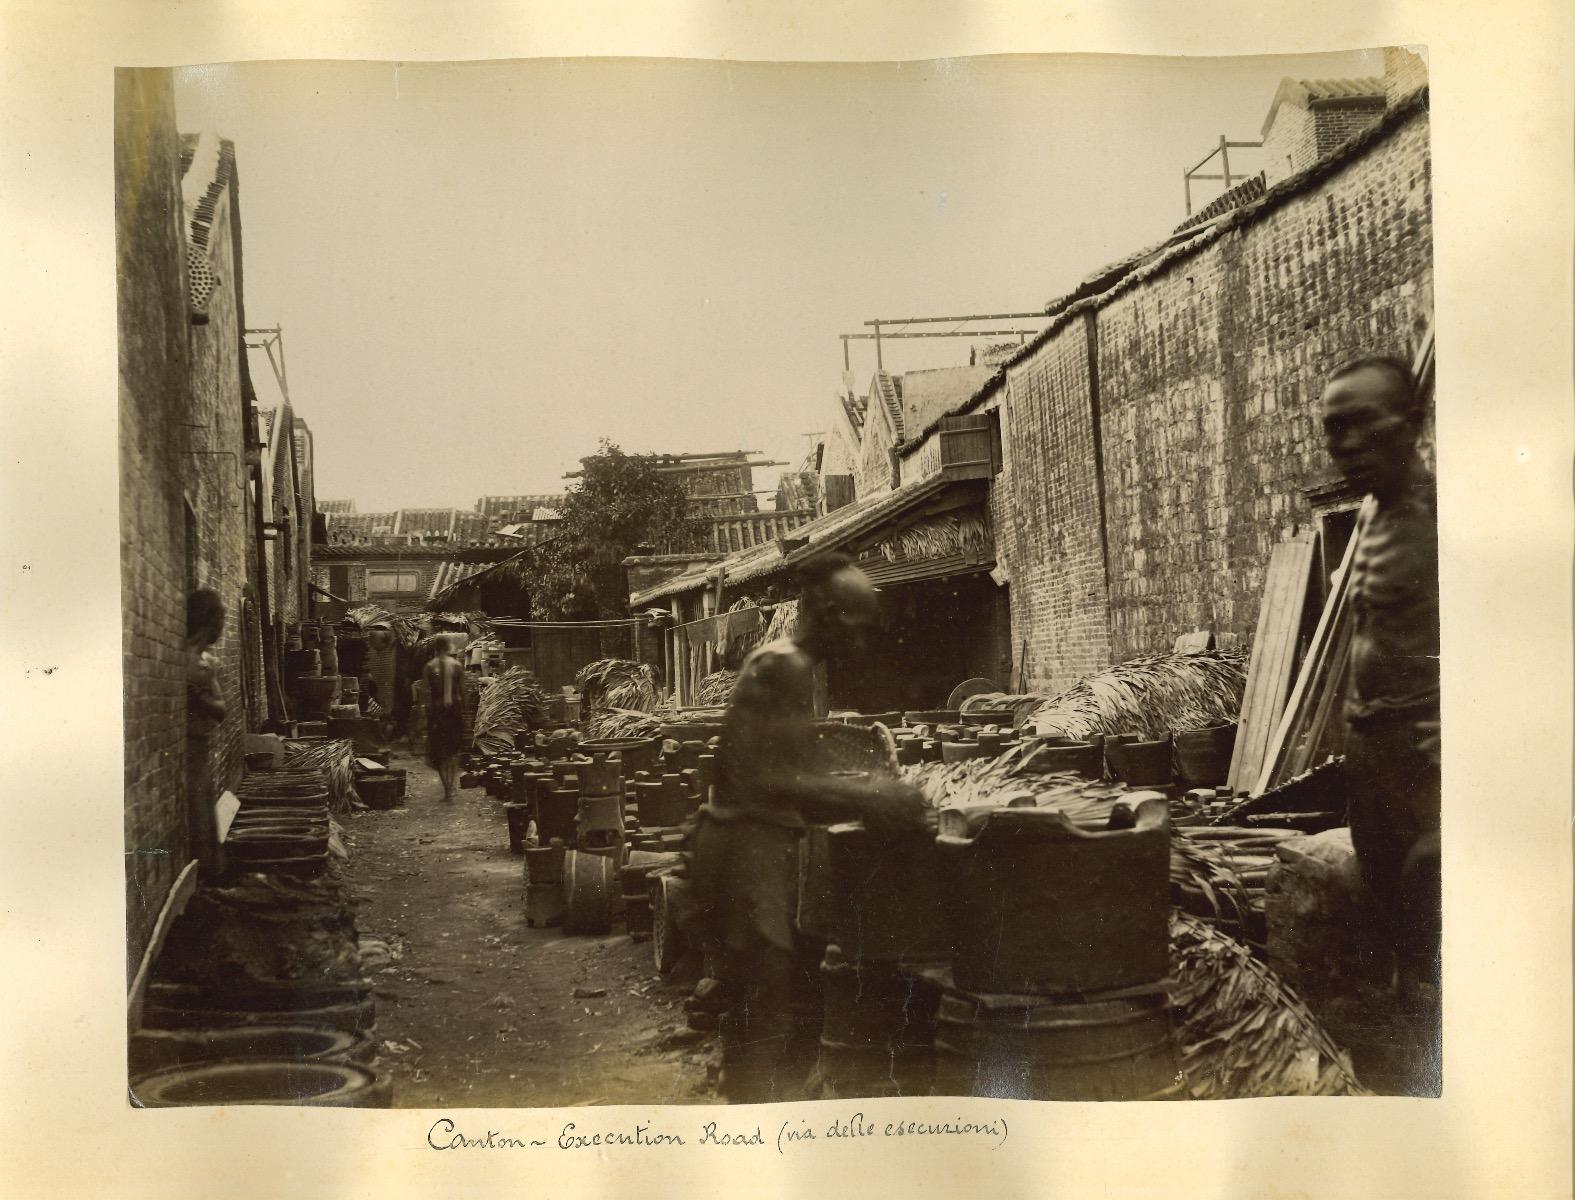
x=263, y=1043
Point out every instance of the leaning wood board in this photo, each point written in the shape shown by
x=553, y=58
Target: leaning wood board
x=1306, y=714
x=1273, y=656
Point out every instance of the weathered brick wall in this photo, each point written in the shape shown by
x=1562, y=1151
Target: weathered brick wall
x=873, y=474
x=152, y=310
x=1044, y=506
x=1336, y=124
x=1290, y=145
x=924, y=461
x=1210, y=377
x=215, y=484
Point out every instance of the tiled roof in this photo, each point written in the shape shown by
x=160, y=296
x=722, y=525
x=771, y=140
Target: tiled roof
x=353, y=552
x=1318, y=91
x=855, y=407
x=824, y=533
x=929, y=395
x=1243, y=193
x=1366, y=88
x=889, y=389
x=505, y=506
x=443, y=595
x=450, y=572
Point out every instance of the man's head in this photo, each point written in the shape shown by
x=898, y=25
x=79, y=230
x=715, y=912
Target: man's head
x=1372, y=417
x=838, y=607
x=204, y=616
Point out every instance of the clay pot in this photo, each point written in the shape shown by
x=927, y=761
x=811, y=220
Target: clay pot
x=1140, y=764
x=158, y=1049
x=953, y=752
x=1073, y=758
x=265, y=1081
x=638, y=754
x=1203, y=755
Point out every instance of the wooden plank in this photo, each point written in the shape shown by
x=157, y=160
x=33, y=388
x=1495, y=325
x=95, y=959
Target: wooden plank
x=1317, y=685
x=1284, y=673
x=1273, y=655
x=1254, y=697
x=1287, y=755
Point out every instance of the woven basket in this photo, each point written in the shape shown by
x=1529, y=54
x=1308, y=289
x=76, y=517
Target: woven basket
x=867, y=748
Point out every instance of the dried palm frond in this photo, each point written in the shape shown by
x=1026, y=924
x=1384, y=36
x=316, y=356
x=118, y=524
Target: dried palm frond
x=940, y=537
x=1220, y=873
x=783, y=623
x=617, y=683
x=1243, y=1032
x=334, y=758
x=1013, y=776
x=367, y=616
x=511, y=704
x=716, y=689
x=1153, y=697
x=609, y=724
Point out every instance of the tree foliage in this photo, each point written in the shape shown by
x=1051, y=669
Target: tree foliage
x=621, y=503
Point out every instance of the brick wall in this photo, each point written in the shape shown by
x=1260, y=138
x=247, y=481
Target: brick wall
x=1210, y=377
x=215, y=485
x=1044, y=506
x=1336, y=123
x=1290, y=144
x=154, y=399
x=873, y=472
x=1208, y=370
x=1300, y=135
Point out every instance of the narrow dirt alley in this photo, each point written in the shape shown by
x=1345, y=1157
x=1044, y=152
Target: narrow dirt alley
x=474, y=1007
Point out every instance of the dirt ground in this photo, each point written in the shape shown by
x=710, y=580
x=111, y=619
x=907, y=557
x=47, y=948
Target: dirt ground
x=474, y=1007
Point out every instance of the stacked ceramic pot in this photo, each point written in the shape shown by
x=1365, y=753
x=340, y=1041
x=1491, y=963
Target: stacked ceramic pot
x=281, y=826
x=298, y=1043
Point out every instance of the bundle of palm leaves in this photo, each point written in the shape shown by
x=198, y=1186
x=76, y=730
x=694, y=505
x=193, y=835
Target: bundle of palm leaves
x=716, y=689
x=1154, y=697
x=1219, y=873
x=1243, y=1032
x=511, y=704
x=367, y=616
x=1012, y=776
x=783, y=623
x=617, y=683
x=612, y=724
x=333, y=757
x=940, y=537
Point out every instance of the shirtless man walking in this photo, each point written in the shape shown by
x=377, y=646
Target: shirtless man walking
x=445, y=680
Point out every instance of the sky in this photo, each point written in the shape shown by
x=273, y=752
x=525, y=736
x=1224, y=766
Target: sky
x=483, y=269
